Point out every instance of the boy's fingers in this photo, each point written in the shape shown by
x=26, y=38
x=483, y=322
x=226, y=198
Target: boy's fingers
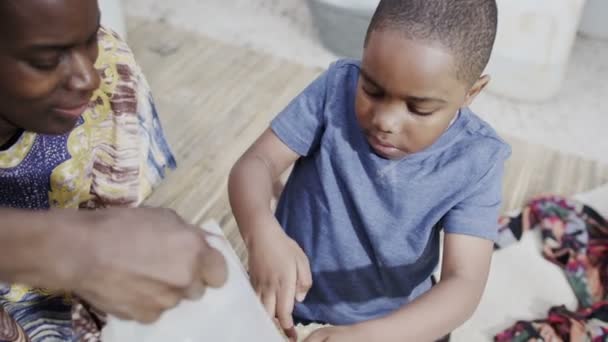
x=291, y=334
x=269, y=300
x=286, y=296
x=304, y=281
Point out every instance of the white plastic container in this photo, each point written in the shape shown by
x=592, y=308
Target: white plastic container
x=230, y=314
x=342, y=24
x=594, y=23
x=112, y=16
x=533, y=47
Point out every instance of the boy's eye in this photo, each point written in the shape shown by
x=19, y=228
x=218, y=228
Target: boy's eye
x=374, y=93
x=421, y=111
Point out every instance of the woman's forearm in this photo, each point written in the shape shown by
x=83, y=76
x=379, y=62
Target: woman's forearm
x=35, y=246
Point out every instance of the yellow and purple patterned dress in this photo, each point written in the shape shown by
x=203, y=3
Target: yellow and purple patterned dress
x=115, y=156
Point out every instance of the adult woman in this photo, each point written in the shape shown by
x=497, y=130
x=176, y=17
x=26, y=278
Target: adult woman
x=78, y=130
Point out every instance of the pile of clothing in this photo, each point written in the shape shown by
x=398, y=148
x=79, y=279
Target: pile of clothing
x=575, y=237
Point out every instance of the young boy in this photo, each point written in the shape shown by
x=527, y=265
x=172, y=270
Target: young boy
x=386, y=155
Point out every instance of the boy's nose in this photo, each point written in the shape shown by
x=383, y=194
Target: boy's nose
x=386, y=121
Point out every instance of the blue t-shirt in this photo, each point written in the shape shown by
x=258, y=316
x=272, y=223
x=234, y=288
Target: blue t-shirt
x=370, y=226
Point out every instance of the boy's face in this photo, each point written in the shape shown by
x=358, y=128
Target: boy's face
x=47, y=73
x=407, y=93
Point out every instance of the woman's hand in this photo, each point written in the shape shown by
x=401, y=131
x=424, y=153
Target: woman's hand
x=137, y=263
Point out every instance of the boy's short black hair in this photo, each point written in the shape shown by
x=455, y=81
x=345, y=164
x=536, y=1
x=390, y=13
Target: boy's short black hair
x=466, y=27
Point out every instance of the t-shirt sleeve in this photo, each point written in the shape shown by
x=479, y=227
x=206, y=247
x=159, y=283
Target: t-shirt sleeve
x=477, y=214
x=300, y=125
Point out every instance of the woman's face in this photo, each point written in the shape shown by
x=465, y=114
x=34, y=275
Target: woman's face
x=47, y=74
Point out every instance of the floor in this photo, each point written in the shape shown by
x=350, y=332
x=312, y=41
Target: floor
x=574, y=121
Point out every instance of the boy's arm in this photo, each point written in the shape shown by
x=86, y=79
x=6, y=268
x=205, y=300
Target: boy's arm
x=466, y=264
x=279, y=269
x=465, y=268
x=252, y=178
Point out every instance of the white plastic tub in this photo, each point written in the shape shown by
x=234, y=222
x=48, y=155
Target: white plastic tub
x=594, y=23
x=533, y=47
x=229, y=314
x=342, y=24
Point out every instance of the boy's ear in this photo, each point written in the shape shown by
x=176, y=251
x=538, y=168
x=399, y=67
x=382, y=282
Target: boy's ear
x=477, y=87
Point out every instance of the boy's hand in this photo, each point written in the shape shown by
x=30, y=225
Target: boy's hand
x=280, y=272
x=339, y=334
